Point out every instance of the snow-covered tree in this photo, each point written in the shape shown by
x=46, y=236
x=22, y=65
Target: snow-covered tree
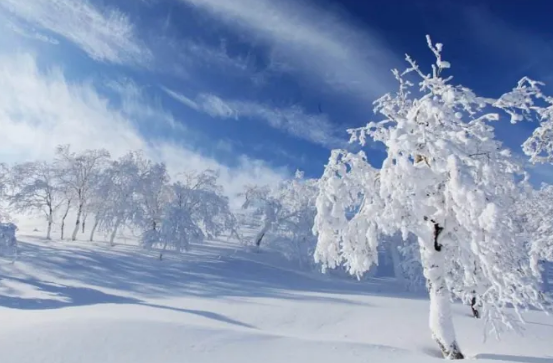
x=115, y=199
x=535, y=211
x=178, y=228
x=78, y=174
x=37, y=190
x=527, y=102
x=152, y=195
x=196, y=208
x=286, y=211
x=444, y=180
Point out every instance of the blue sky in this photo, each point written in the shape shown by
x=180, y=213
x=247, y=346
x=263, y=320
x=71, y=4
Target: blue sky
x=253, y=88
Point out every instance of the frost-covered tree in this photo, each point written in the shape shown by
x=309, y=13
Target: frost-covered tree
x=527, y=102
x=265, y=206
x=152, y=195
x=115, y=198
x=196, y=209
x=178, y=228
x=445, y=180
x=78, y=174
x=36, y=190
x=286, y=210
x=535, y=211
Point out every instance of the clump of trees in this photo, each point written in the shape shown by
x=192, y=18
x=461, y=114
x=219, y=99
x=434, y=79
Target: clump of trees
x=131, y=192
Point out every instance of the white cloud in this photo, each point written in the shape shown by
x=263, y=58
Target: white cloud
x=318, y=43
x=39, y=110
x=293, y=120
x=104, y=34
x=182, y=99
x=28, y=32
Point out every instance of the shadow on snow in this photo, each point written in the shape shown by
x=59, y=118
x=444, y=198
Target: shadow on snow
x=219, y=277
x=515, y=358
x=64, y=296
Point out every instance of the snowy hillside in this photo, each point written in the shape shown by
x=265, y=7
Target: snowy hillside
x=88, y=302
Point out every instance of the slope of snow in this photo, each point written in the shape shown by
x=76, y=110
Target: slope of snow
x=87, y=302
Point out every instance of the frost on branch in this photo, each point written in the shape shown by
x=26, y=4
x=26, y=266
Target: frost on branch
x=344, y=225
x=445, y=180
x=527, y=102
x=536, y=209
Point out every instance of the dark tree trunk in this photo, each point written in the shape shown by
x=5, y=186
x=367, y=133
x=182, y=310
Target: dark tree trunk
x=259, y=239
x=63, y=218
x=96, y=221
x=473, y=307
x=78, y=221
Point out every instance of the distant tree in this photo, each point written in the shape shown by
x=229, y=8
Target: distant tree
x=286, y=210
x=152, y=195
x=444, y=180
x=197, y=209
x=115, y=194
x=536, y=211
x=527, y=102
x=79, y=172
x=37, y=190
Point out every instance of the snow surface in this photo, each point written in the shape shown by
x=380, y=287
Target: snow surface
x=90, y=303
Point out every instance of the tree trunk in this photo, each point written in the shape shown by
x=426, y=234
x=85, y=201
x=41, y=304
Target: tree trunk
x=77, y=222
x=84, y=222
x=96, y=221
x=473, y=306
x=63, y=218
x=441, y=321
x=396, y=261
x=112, y=237
x=49, y=229
x=50, y=221
x=261, y=234
x=162, y=251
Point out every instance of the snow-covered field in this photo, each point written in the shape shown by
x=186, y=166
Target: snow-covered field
x=88, y=302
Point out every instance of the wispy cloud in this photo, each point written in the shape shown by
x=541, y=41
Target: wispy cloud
x=293, y=120
x=105, y=34
x=39, y=110
x=28, y=32
x=318, y=44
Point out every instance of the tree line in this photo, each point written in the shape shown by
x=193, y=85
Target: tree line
x=137, y=193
